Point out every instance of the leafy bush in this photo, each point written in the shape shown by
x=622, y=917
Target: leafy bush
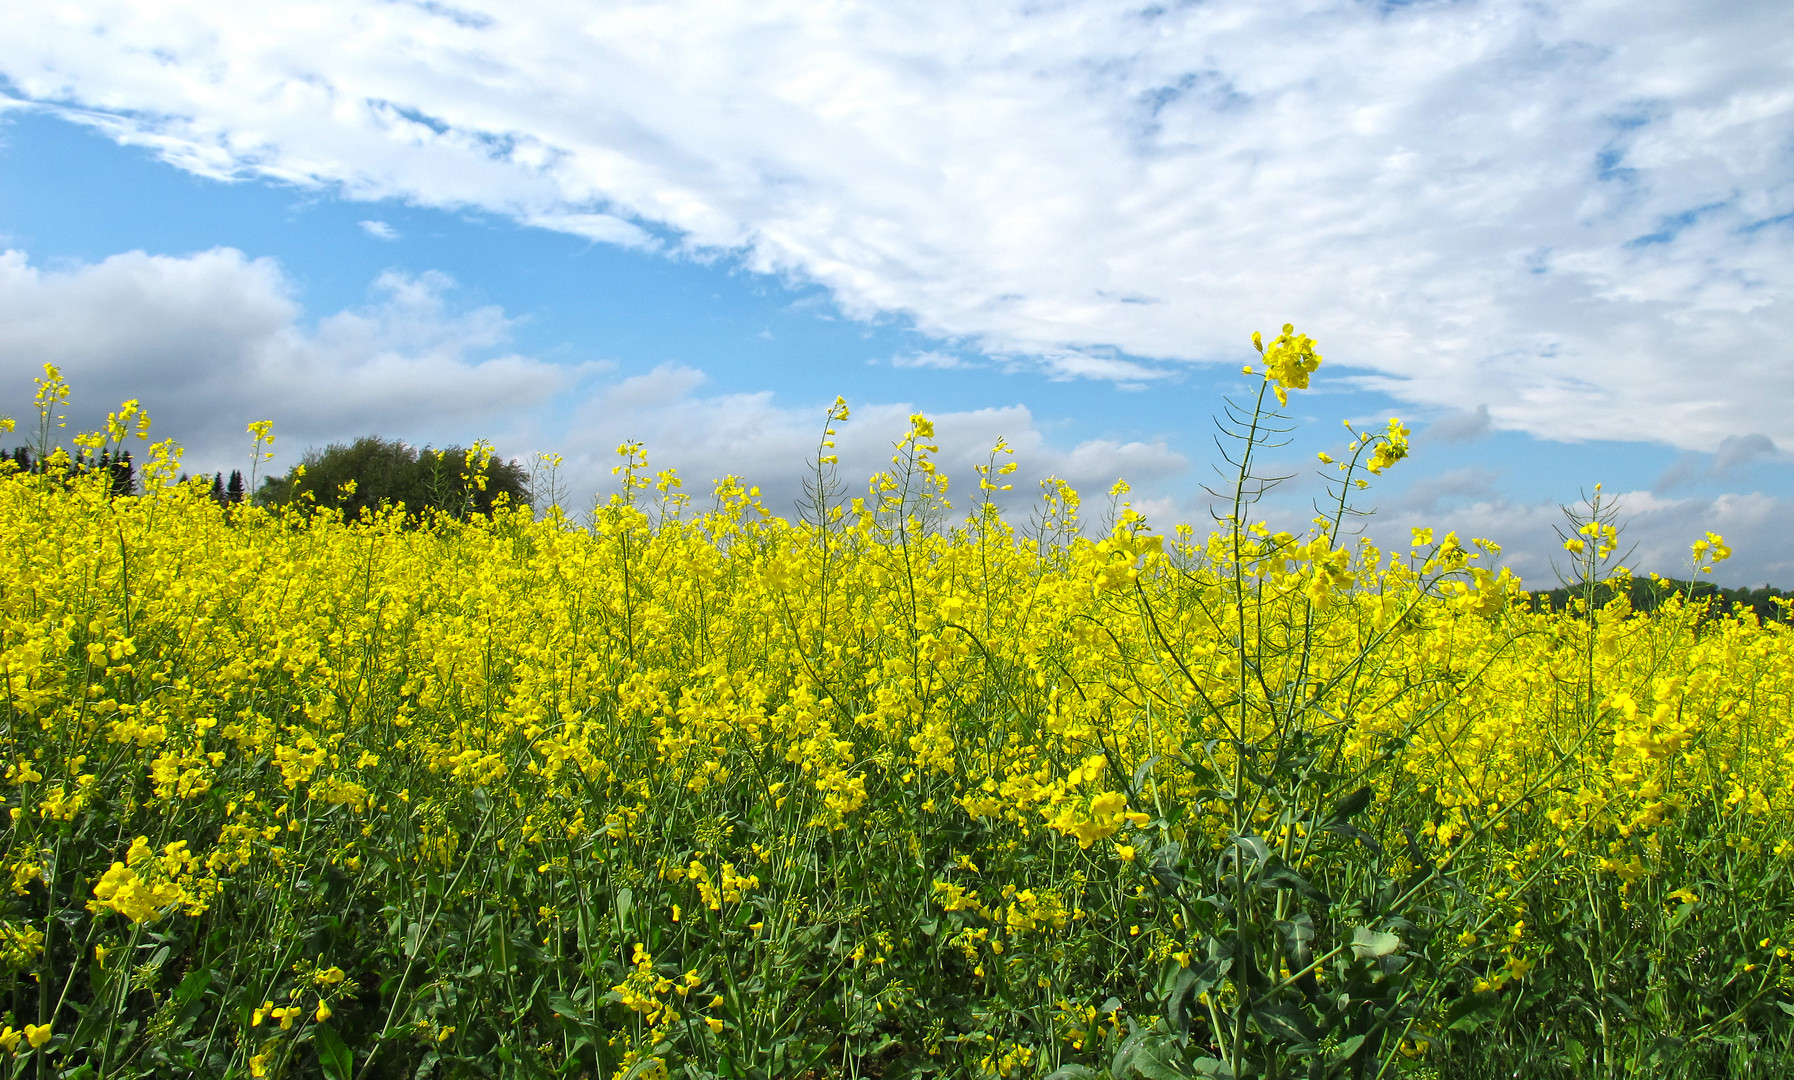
x=360, y=477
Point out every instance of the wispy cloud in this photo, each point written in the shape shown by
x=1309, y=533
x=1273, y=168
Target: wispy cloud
x=939, y=361
x=1577, y=215
x=379, y=230
x=605, y=228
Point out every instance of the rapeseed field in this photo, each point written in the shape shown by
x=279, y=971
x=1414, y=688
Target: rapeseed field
x=681, y=787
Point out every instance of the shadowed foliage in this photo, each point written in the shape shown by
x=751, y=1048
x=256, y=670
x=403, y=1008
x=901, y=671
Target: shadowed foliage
x=372, y=471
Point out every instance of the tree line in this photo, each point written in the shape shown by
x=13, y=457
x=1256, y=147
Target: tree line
x=372, y=472
x=356, y=478
x=122, y=470
x=1648, y=593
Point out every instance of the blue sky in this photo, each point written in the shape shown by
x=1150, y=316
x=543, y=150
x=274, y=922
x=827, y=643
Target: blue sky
x=1558, y=242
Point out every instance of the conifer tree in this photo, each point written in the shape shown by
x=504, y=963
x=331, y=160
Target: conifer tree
x=124, y=475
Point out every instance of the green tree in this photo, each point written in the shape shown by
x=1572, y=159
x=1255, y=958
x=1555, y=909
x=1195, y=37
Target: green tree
x=361, y=476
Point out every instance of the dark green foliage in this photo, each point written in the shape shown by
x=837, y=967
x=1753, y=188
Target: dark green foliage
x=121, y=468
x=227, y=493
x=1649, y=983
x=1649, y=592
x=371, y=472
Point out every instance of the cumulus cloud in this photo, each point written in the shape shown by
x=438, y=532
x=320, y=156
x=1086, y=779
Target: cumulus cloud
x=1657, y=533
x=1578, y=215
x=771, y=443
x=213, y=340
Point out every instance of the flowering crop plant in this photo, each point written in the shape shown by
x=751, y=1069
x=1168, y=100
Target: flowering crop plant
x=884, y=790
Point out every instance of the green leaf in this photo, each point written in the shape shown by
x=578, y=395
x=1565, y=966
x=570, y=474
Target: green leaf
x=193, y=985
x=1151, y=1053
x=1350, y=806
x=1254, y=846
x=1285, y=1023
x=1472, y=1011
x=566, y=1007
x=1346, y=1049
x=1179, y=985
x=498, y=949
x=1298, y=933
x=1368, y=944
x=1623, y=1006
x=1145, y=770
x=1354, y=832
x=333, y=1056
x=1278, y=875
x=1165, y=863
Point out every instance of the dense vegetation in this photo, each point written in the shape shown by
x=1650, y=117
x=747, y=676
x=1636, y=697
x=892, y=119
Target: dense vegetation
x=359, y=478
x=1766, y=602
x=880, y=792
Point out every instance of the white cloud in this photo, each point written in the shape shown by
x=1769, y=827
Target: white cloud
x=605, y=228
x=1657, y=532
x=770, y=444
x=931, y=358
x=379, y=230
x=213, y=340
x=1576, y=214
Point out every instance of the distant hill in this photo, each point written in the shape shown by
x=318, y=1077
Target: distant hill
x=1647, y=593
